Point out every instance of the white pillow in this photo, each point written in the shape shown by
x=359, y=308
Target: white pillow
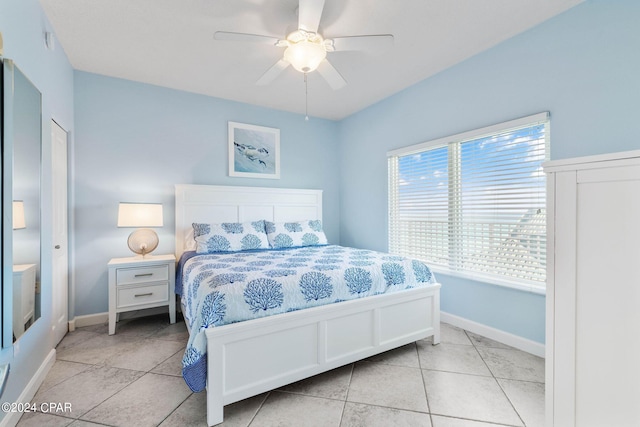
x=295, y=234
x=230, y=236
x=189, y=241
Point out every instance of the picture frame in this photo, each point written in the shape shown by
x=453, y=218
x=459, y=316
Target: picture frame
x=254, y=151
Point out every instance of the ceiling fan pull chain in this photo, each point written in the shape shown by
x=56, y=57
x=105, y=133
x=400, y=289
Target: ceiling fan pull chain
x=306, y=98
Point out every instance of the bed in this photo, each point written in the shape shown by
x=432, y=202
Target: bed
x=249, y=357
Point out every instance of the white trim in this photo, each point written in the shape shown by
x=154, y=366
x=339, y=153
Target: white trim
x=532, y=347
x=550, y=300
x=495, y=281
x=472, y=134
x=88, y=320
x=12, y=418
x=592, y=162
x=99, y=318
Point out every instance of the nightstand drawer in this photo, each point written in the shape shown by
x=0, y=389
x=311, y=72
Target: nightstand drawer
x=141, y=295
x=142, y=274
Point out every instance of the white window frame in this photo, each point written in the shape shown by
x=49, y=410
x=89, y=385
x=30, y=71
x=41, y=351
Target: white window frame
x=533, y=120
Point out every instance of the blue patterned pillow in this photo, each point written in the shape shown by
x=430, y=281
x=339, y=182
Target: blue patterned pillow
x=295, y=234
x=230, y=236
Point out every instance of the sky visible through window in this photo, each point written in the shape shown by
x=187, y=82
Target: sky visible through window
x=516, y=156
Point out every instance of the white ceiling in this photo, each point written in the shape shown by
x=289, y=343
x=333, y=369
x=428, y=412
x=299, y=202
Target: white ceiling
x=170, y=43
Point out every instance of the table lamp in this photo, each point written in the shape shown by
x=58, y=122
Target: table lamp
x=144, y=240
x=18, y=215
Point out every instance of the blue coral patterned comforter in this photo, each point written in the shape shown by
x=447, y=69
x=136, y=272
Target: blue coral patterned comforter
x=218, y=289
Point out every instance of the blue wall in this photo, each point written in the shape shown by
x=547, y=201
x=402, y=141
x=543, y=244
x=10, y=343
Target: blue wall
x=23, y=24
x=135, y=141
x=583, y=66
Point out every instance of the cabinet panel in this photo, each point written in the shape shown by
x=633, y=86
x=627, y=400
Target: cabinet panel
x=564, y=293
x=608, y=302
x=593, y=296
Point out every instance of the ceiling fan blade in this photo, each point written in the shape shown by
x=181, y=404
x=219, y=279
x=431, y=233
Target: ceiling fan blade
x=244, y=37
x=272, y=73
x=309, y=14
x=374, y=43
x=331, y=75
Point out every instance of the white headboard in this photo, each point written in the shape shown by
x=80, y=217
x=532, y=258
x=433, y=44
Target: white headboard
x=215, y=204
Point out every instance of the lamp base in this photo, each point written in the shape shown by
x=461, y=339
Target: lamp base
x=145, y=256
x=143, y=241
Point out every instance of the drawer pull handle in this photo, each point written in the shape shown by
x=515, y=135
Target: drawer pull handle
x=143, y=275
x=143, y=295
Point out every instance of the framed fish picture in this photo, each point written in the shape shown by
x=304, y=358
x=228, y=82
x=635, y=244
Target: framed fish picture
x=254, y=151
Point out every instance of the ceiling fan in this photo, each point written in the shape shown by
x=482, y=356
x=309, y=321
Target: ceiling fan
x=306, y=49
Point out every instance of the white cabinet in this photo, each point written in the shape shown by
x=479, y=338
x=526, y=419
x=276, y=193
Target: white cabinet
x=139, y=283
x=24, y=297
x=593, y=291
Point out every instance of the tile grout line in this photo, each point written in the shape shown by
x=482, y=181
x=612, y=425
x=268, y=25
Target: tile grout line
x=259, y=408
x=424, y=382
x=118, y=391
x=176, y=408
x=476, y=421
x=346, y=397
x=151, y=370
x=157, y=373
x=496, y=379
x=393, y=408
x=40, y=389
x=94, y=366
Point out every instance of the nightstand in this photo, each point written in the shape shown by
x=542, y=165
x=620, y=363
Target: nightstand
x=24, y=296
x=138, y=283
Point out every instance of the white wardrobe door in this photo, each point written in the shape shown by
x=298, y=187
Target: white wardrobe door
x=608, y=298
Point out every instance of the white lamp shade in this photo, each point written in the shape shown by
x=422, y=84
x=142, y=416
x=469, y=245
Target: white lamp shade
x=305, y=56
x=140, y=215
x=18, y=215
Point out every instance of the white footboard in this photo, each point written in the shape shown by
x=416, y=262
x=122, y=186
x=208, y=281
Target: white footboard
x=249, y=358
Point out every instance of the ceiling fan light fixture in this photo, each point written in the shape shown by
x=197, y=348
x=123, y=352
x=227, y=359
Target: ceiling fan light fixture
x=305, y=55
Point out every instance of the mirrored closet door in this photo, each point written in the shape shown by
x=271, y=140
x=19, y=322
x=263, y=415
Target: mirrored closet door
x=21, y=226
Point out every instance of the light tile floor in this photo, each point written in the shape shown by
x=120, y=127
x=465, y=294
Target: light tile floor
x=133, y=379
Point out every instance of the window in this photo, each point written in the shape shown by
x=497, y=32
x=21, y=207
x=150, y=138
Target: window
x=473, y=204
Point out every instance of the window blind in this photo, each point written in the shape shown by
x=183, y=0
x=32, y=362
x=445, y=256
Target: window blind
x=474, y=203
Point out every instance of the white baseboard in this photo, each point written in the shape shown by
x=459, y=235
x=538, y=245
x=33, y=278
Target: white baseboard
x=12, y=418
x=503, y=337
x=88, y=320
x=100, y=318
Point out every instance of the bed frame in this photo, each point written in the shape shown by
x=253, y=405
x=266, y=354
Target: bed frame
x=248, y=358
